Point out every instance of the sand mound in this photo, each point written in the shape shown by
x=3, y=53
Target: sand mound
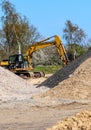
x=75, y=83
x=12, y=87
x=81, y=121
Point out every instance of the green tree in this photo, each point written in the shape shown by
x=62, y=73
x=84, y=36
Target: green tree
x=74, y=37
x=17, y=30
x=73, y=34
x=75, y=50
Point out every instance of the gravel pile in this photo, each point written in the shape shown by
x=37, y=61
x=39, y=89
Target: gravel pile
x=12, y=87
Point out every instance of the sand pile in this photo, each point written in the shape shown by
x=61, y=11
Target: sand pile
x=77, y=83
x=81, y=121
x=12, y=87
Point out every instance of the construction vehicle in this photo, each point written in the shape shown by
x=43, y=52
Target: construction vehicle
x=22, y=64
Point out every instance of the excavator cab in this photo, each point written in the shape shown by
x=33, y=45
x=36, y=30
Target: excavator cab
x=18, y=65
x=16, y=61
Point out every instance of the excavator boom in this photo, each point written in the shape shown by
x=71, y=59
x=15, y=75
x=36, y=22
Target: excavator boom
x=45, y=43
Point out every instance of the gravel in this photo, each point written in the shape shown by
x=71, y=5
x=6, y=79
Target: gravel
x=13, y=87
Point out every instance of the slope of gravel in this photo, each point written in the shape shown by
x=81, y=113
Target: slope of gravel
x=77, y=83
x=12, y=87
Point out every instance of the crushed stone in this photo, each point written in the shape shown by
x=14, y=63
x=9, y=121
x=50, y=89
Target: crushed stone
x=13, y=87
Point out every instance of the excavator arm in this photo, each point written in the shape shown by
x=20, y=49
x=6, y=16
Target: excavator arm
x=61, y=50
x=45, y=43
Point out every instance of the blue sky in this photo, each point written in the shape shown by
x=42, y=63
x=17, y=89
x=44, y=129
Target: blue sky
x=49, y=16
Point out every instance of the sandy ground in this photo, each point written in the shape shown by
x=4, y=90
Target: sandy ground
x=36, y=114
x=26, y=116
x=37, y=81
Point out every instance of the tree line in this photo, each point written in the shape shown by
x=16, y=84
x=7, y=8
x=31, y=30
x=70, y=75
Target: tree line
x=17, y=32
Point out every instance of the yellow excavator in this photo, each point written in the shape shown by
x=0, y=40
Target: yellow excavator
x=22, y=64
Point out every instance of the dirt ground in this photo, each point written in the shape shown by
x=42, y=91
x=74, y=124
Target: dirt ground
x=36, y=114
x=37, y=81
x=23, y=116
x=29, y=116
